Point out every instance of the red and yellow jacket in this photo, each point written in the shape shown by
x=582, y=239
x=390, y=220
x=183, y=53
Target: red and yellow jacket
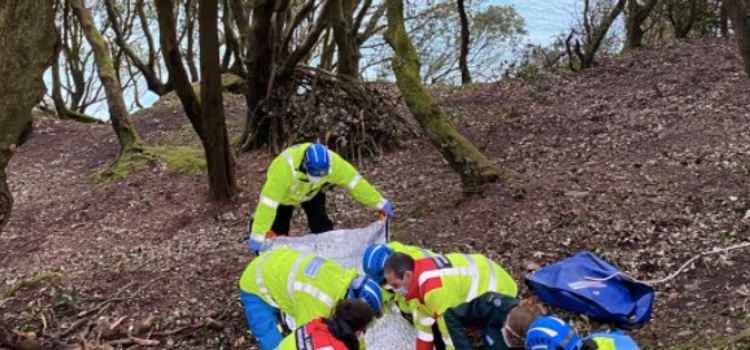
x=442, y=282
x=313, y=336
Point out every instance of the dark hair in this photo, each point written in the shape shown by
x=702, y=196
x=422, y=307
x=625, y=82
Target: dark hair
x=350, y=317
x=356, y=313
x=399, y=263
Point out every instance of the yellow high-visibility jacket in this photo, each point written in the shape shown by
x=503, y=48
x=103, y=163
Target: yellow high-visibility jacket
x=303, y=287
x=287, y=185
x=442, y=282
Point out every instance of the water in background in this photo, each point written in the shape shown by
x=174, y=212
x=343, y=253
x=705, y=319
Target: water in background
x=544, y=19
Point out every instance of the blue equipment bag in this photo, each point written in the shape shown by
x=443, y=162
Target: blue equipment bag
x=588, y=285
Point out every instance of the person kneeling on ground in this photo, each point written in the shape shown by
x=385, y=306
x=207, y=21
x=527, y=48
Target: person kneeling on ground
x=342, y=331
x=441, y=282
x=373, y=261
x=299, y=176
x=284, y=284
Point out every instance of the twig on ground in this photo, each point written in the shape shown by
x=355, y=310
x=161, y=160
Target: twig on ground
x=674, y=274
x=210, y=322
x=690, y=261
x=99, y=309
x=134, y=341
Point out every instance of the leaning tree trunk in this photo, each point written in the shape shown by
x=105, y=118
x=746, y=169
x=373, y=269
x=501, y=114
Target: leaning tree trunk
x=170, y=49
x=218, y=154
x=27, y=39
x=474, y=169
x=599, y=33
x=118, y=112
x=635, y=16
x=465, y=38
x=738, y=12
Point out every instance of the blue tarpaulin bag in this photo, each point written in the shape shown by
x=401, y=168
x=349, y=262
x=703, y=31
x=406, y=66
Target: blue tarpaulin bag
x=588, y=285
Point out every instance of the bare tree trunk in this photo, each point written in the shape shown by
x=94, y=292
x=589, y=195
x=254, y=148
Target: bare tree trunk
x=329, y=47
x=594, y=35
x=738, y=12
x=474, y=169
x=635, y=16
x=683, y=23
x=177, y=72
x=147, y=69
x=118, y=112
x=342, y=18
x=270, y=68
x=242, y=20
x=218, y=154
x=259, y=75
x=63, y=112
x=232, y=42
x=72, y=43
x=465, y=39
x=190, y=54
x=599, y=32
x=28, y=37
x=723, y=19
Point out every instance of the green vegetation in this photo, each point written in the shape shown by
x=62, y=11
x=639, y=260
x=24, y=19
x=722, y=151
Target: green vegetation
x=179, y=159
x=36, y=278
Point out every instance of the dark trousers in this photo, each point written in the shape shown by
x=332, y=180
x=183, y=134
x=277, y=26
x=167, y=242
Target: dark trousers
x=437, y=342
x=315, y=209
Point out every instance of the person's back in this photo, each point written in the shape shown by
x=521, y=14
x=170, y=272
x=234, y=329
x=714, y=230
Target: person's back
x=302, y=286
x=463, y=277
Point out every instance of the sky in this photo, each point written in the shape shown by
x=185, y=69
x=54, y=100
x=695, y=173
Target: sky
x=544, y=19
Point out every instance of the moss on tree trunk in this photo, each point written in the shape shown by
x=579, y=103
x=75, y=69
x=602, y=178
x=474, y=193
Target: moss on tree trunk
x=474, y=169
x=27, y=39
x=118, y=113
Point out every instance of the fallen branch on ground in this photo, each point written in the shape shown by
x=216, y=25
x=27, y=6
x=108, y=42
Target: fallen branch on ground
x=208, y=323
x=683, y=267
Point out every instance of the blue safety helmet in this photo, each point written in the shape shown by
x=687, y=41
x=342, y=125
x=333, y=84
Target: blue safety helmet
x=374, y=259
x=368, y=290
x=317, y=160
x=551, y=333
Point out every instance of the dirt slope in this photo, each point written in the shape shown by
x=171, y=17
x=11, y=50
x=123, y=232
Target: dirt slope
x=643, y=160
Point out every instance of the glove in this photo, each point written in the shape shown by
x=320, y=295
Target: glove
x=387, y=210
x=258, y=246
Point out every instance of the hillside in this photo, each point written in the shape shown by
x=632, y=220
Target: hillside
x=643, y=160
